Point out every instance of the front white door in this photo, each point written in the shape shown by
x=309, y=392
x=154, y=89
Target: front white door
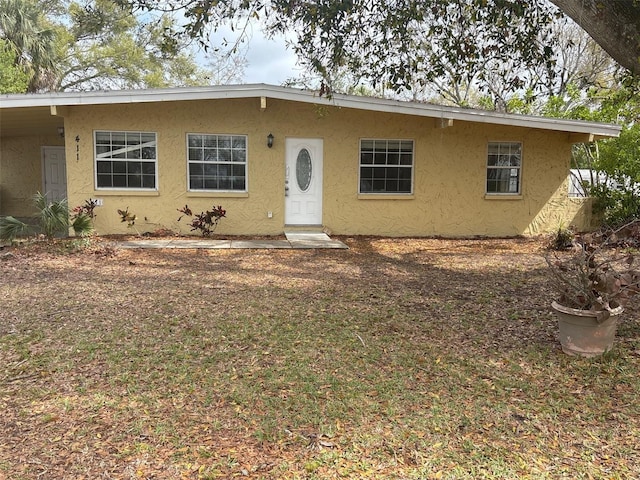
x=303, y=181
x=55, y=173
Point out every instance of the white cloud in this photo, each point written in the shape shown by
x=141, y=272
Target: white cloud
x=268, y=59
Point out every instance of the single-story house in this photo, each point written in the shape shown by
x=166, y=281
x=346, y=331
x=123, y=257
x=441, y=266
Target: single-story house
x=275, y=157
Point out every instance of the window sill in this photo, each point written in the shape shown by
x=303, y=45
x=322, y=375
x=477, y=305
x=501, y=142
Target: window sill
x=126, y=193
x=212, y=193
x=491, y=196
x=385, y=196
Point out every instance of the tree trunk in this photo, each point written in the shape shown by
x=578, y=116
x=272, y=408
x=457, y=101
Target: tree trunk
x=614, y=24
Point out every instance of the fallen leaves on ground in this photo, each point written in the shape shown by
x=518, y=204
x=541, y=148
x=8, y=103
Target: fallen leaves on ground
x=397, y=358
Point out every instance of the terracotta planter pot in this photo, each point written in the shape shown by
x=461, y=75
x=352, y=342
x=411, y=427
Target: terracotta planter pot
x=583, y=333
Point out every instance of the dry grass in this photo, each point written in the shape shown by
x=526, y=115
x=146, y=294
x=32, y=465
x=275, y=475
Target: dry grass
x=406, y=358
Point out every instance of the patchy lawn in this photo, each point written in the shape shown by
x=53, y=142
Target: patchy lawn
x=406, y=358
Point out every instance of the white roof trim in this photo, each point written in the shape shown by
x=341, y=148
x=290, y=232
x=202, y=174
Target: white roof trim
x=305, y=96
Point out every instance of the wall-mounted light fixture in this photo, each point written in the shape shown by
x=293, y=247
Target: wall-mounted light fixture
x=270, y=140
x=61, y=132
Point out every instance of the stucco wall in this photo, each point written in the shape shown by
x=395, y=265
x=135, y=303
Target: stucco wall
x=449, y=175
x=21, y=172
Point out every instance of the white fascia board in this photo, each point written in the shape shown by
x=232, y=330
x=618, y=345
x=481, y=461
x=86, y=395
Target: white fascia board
x=306, y=96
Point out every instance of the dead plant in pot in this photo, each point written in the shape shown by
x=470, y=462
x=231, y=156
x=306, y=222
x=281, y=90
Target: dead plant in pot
x=594, y=279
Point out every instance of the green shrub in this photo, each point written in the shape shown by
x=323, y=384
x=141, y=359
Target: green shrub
x=12, y=228
x=82, y=225
x=53, y=217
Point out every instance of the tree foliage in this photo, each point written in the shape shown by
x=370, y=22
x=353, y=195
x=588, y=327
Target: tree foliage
x=94, y=44
x=398, y=45
x=32, y=40
x=13, y=78
x=404, y=44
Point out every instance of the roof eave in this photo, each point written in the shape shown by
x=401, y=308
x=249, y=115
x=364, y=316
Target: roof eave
x=597, y=130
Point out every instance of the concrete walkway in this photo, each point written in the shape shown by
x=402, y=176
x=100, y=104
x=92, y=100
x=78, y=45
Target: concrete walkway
x=297, y=240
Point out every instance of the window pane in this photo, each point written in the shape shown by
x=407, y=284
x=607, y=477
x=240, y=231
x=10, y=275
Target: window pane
x=238, y=170
x=380, y=158
x=239, y=183
x=504, y=160
x=404, y=186
x=210, y=155
x=119, y=180
x=103, y=138
x=104, y=167
x=393, y=145
x=132, y=138
x=134, y=167
x=224, y=155
x=195, y=154
x=407, y=146
x=135, y=181
x=128, y=172
x=366, y=145
x=210, y=183
x=404, y=173
x=119, y=167
x=148, y=181
x=391, y=166
x=239, y=156
x=195, y=169
x=406, y=159
x=118, y=138
x=380, y=145
x=219, y=151
x=195, y=183
x=134, y=153
x=239, y=142
x=148, y=138
x=104, y=181
x=149, y=153
x=195, y=140
x=224, y=183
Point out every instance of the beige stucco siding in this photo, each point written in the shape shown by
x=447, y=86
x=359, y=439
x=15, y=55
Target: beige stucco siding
x=449, y=170
x=21, y=172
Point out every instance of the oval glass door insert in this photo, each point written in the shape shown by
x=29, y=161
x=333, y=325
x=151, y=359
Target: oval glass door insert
x=303, y=169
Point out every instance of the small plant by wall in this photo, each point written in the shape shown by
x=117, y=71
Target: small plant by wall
x=82, y=217
x=204, y=222
x=52, y=218
x=126, y=216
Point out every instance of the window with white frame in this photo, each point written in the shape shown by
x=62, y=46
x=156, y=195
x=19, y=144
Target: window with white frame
x=504, y=164
x=386, y=166
x=217, y=162
x=126, y=160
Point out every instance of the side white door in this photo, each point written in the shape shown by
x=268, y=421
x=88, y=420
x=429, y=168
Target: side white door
x=303, y=181
x=55, y=173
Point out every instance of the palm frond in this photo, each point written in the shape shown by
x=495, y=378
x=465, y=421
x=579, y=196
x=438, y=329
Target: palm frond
x=12, y=228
